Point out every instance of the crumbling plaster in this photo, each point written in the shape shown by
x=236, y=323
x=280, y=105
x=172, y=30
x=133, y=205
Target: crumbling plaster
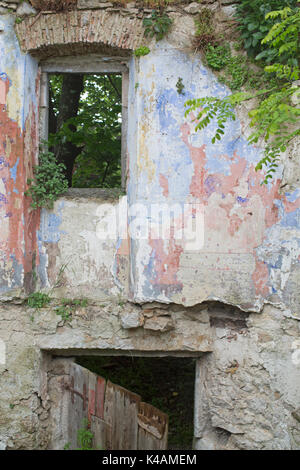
x=243, y=283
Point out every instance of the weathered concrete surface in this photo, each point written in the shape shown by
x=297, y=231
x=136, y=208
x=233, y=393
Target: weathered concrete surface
x=249, y=388
x=72, y=254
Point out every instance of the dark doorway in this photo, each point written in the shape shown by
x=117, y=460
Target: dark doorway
x=165, y=382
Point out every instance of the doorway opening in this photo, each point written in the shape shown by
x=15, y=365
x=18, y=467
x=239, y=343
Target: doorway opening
x=167, y=383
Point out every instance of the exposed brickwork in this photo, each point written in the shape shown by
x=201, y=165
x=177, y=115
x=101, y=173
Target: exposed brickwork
x=74, y=32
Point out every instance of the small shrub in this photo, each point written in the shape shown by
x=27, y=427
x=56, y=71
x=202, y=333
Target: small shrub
x=85, y=437
x=38, y=300
x=49, y=181
x=217, y=57
x=180, y=86
x=205, y=31
x=157, y=25
x=68, y=306
x=143, y=50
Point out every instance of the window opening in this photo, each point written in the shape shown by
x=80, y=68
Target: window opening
x=85, y=121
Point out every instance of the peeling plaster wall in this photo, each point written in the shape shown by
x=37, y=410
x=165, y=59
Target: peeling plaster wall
x=74, y=257
x=18, y=143
x=233, y=302
x=251, y=231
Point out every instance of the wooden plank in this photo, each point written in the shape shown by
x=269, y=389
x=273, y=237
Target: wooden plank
x=152, y=428
x=120, y=413
x=78, y=405
x=100, y=395
x=109, y=413
x=102, y=432
x=92, y=395
x=125, y=427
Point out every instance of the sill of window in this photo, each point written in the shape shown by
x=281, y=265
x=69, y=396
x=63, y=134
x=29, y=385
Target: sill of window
x=100, y=194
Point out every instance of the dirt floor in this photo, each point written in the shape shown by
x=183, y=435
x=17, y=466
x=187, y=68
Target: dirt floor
x=165, y=382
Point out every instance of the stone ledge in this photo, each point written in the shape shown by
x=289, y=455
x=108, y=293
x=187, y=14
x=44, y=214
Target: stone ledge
x=91, y=193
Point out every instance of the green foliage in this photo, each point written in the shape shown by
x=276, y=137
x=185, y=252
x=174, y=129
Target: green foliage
x=96, y=130
x=38, y=300
x=284, y=39
x=18, y=20
x=85, y=437
x=236, y=70
x=276, y=118
x=67, y=308
x=157, y=25
x=180, y=86
x=210, y=108
x=205, y=30
x=48, y=183
x=217, y=57
x=140, y=51
x=255, y=23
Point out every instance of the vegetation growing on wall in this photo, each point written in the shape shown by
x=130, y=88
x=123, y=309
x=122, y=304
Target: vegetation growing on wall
x=48, y=183
x=158, y=24
x=140, y=51
x=205, y=30
x=254, y=23
x=276, y=119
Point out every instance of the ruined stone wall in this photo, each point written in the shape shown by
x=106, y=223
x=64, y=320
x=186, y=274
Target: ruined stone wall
x=232, y=301
x=247, y=389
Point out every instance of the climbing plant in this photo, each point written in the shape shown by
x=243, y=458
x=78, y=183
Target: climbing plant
x=48, y=183
x=276, y=118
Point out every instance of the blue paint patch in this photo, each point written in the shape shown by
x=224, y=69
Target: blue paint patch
x=49, y=228
x=291, y=220
x=3, y=198
x=13, y=170
x=292, y=197
x=242, y=200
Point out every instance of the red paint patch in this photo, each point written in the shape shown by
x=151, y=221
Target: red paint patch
x=166, y=263
x=163, y=181
x=21, y=241
x=260, y=278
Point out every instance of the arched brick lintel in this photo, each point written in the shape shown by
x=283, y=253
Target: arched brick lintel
x=79, y=32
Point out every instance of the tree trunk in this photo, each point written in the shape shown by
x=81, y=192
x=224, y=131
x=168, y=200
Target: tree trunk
x=68, y=107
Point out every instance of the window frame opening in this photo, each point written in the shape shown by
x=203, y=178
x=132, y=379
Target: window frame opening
x=87, y=65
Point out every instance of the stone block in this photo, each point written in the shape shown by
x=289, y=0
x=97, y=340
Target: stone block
x=161, y=324
x=132, y=320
